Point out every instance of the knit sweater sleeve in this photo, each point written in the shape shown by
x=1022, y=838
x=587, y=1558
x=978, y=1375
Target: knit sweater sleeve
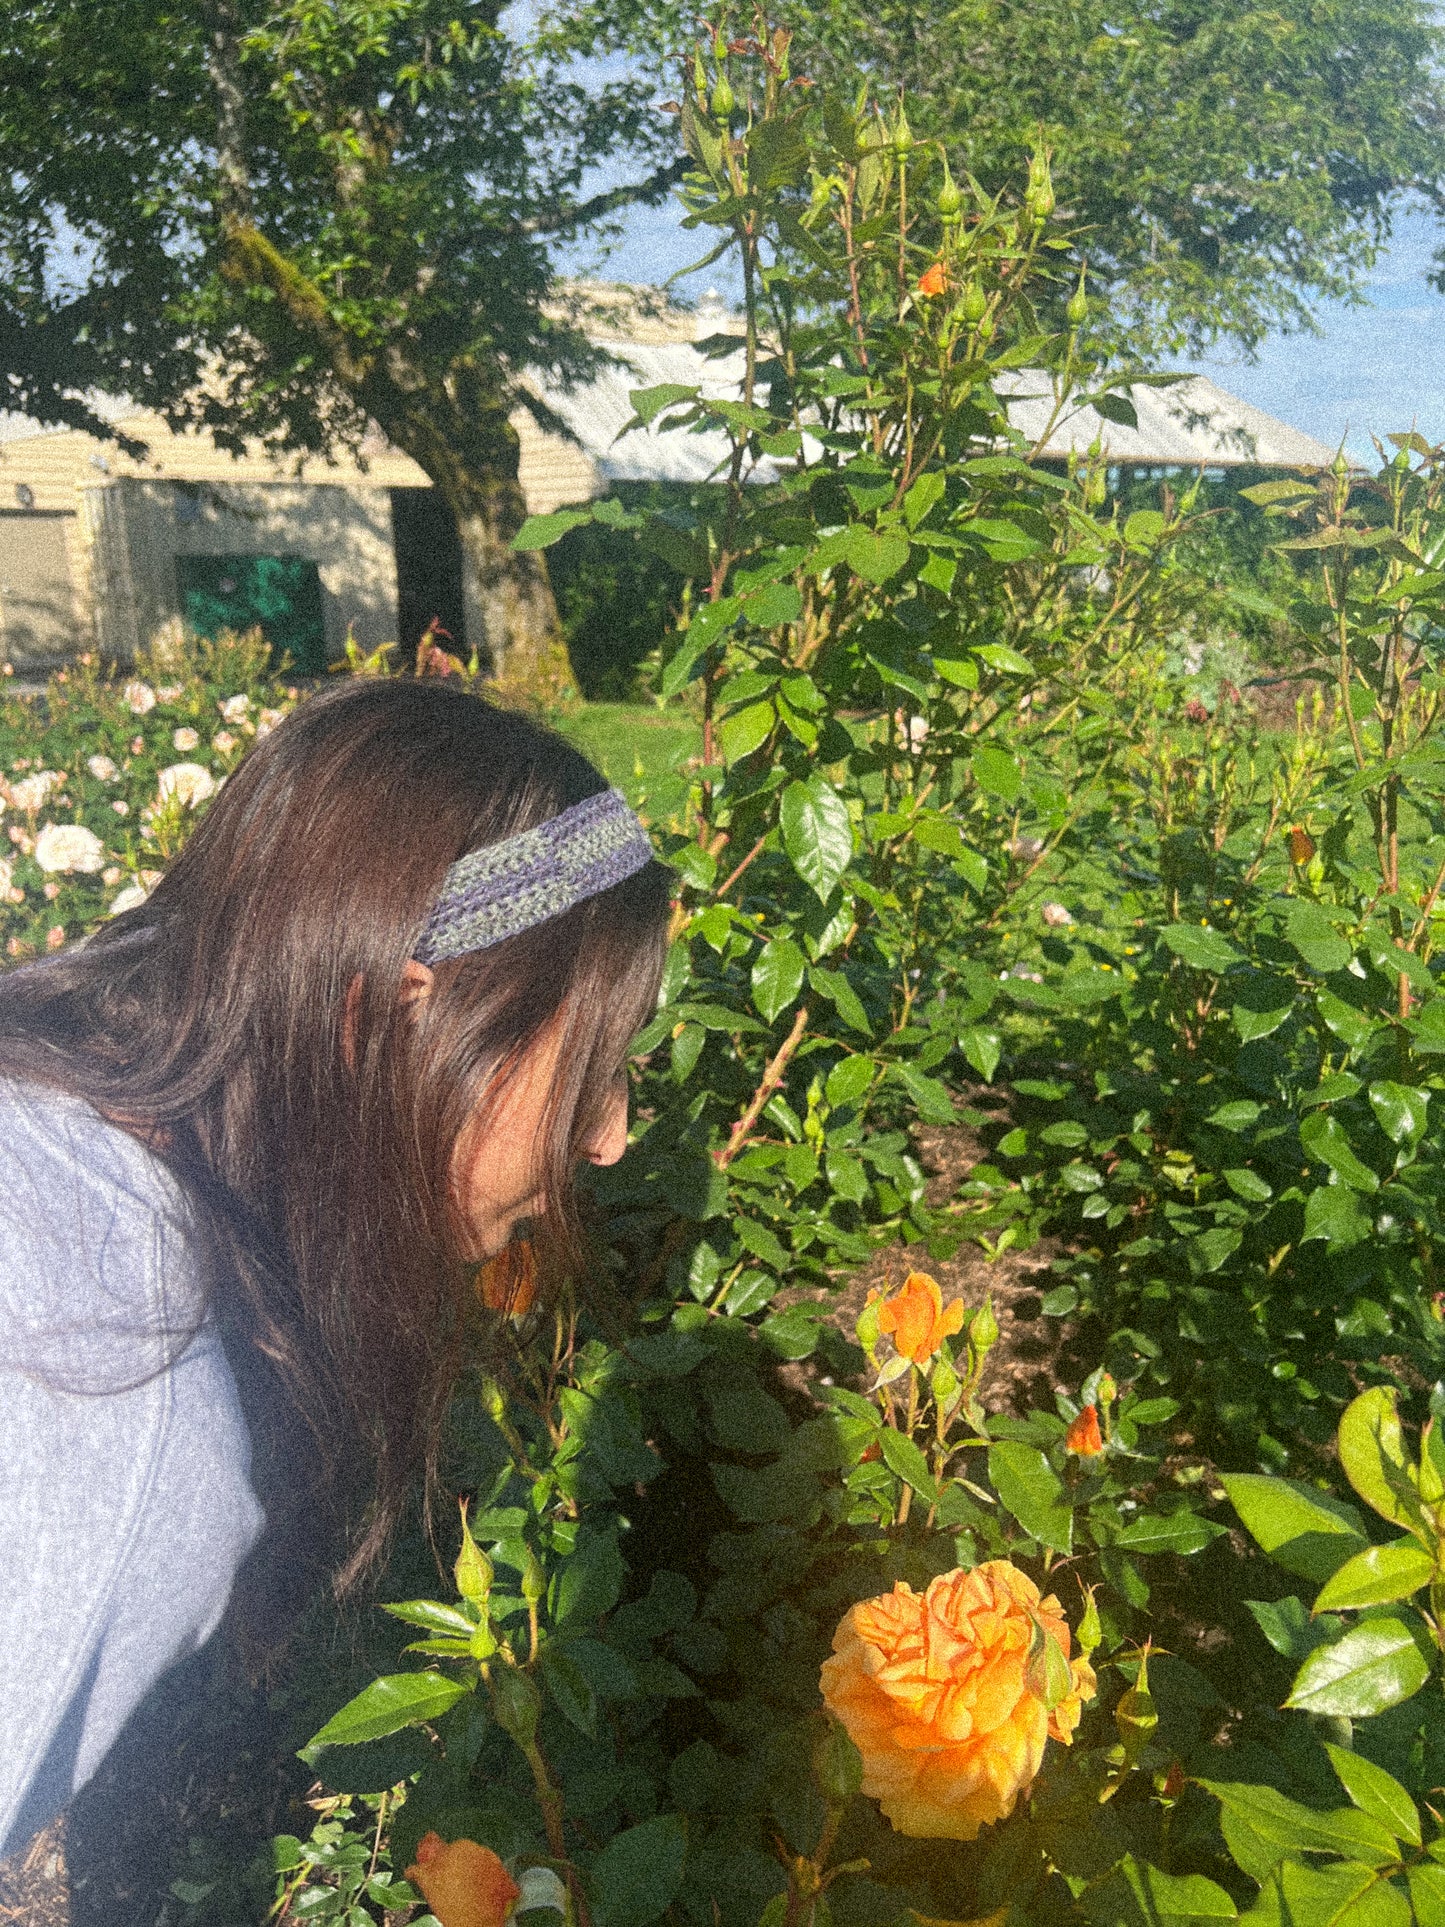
x=126, y=1507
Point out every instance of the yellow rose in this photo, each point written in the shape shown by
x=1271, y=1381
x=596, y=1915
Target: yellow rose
x=937, y=1693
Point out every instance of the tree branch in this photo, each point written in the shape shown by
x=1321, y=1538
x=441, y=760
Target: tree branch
x=647, y=192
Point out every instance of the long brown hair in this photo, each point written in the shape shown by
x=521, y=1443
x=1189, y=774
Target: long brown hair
x=247, y=1022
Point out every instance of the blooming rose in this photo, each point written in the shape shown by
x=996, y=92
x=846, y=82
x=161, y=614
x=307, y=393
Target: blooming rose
x=267, y=720
x=120, y=806
x=55, y=936
x=170, y=692
x=102, y=768
x=69, y=847
x=465, y=1885
x=191, y=782
x=233, y=708
x=508, y=1282
x=1084, y=1436
x=32, y=792
x=185, y=739
x=138, y=697
x=223, y=742
x=1056, y=916
x=916, y=1317
x=933, y=280
x=935, y=1691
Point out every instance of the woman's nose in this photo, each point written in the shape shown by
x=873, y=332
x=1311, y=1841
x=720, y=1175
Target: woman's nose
x=607, y=1144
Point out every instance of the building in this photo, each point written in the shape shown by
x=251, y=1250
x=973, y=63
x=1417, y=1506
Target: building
x=99, y=549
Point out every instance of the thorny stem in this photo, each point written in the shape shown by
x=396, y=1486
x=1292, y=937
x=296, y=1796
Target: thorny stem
x=772, y=1077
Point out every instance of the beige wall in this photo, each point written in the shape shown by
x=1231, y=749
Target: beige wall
x=136, y=530
x=39, y=618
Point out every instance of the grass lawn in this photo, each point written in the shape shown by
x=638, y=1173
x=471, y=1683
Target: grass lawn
x=638, y=748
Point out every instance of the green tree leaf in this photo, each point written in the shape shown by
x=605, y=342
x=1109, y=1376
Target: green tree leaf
x=777, y=976
x=1377, y=1577
x=1308, y=1532
x=1376, y=1792
x=1315, y=937
x=1372, y=1452
x=638, y=1874
x=387, y=1705
x=1375, y=1665
x=817, y=833
x=1029, y=1488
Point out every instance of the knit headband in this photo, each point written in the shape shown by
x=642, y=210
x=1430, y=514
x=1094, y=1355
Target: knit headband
x=531, y=877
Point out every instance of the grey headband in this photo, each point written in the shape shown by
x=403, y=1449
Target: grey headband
x=531, y=877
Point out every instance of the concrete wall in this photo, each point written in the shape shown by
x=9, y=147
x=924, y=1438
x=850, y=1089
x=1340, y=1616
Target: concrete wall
x=135, y=529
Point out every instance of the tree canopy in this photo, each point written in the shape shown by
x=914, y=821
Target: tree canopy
x=1224, y=164
x=286, y=221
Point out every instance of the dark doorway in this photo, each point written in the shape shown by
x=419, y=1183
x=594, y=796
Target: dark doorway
x=428, y=570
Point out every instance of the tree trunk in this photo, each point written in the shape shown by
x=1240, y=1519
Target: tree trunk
x=472, y=461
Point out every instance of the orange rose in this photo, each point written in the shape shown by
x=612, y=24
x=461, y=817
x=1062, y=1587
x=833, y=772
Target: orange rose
x=916, y=1317
x=934, y=280
x=1083, y=1436
x=508, y=1282
x=1301, y=844
x=934, y=1690
x=465, y=1885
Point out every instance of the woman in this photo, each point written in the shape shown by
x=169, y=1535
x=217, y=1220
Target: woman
x=253, y=1139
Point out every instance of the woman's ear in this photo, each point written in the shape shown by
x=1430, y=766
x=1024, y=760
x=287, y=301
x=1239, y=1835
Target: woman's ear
x=416, y=983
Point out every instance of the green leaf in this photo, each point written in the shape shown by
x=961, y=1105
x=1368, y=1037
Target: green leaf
x=637, y=1875
x=1372, y=1452
x=1376, y=1792
x=1182, y=1533
x=1427, y=1895
x=849, y=1080
x=1333, y=1213
x=998, y=773
x=1352, y=1027
x=433, y=1616
x=387, y=1705
x=1138, y=1895
x=982, y=1048
x=569, y=1687
x=817, y=833
x=777, y=976
x=1377, y=1577
x=833, y=985
x=1308, y=1532
x=1376, y=1665
x=1325, y=1138
x=1235, y=1116
x=1262, y=1826
x=745, y=730
x=998, y=656
x=650, y=402
x=1248, y=1185
x=1401, y=1109
x=1343, y=1895
x=541, y=531
x=1029, y=1488
x=902, y=1456
x=1315, y=937
x=1200, y=947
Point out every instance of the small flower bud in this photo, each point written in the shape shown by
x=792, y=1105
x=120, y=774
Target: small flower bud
x=1077, y=312
x=534, y=1579
x=1136, y=1716
x=943, y=1382
x=473, y=1571
x=902, y=136
x=974, y=304
x=1090, y=1631
x=950, y=200
x=516, y=1703
x=723, y=101
x=867, y=1329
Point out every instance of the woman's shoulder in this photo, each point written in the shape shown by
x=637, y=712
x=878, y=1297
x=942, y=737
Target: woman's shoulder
x=94, y=1239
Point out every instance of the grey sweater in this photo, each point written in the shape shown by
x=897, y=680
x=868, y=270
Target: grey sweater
x=125, y=1500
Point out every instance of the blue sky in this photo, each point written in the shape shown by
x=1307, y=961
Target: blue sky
x=1370, y=370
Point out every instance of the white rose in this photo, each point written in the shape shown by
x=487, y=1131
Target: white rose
x=32, y=792
x=267, y=720
x=223, y=742
x=1056, y=916
x=7, y=878
x=121, y=807
x=130, y=898
x=233, y=708
x=191, y=782
x=138, y=697
x=170, y=692
x=185, y=738
x=69, y=847
x=102, y=768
